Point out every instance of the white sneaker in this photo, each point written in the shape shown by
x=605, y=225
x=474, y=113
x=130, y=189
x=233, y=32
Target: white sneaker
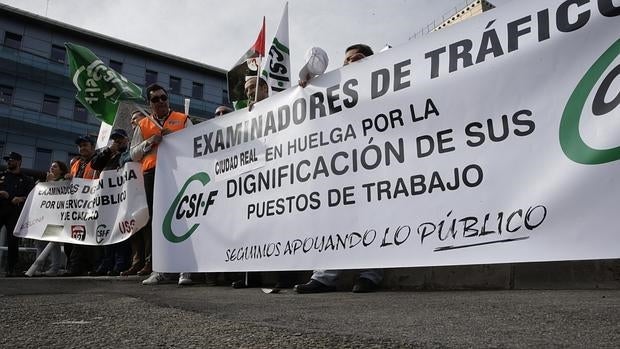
x=185, y=279
x=52, y=272
x=157, y=278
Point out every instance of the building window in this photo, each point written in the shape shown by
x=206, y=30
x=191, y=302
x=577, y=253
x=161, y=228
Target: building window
x=117, y=66
x=197, y=90
x=79, y=112
x=12, y=40
x=6, y=94
x=42, y=159
x=58, y=54
x=175, y=85
x=50, y=105
x=150, y=77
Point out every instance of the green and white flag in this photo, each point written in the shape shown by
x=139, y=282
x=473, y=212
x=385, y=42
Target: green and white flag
x=99, y=88
x=276, y=68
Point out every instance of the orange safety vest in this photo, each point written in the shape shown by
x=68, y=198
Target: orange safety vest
x=89, y=172
x=175, y=121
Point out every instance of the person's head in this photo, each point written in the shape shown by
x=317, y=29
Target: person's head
x=120, y=138
x=59, y=169
x=86, y=146
x=222, y=110
x=158, y=100
x=13, y=161
x=356, y=52
x=136, y=116
x=250, y=89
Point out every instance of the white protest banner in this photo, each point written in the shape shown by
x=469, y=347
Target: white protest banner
x=492, y=141
x=86, y=212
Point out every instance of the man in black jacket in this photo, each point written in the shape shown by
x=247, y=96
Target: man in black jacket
x=14, y=189
x=115, y=257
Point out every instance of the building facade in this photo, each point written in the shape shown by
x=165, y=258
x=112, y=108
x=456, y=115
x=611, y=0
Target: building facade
x=39, y=115
x=455, y=15
x=472, y=8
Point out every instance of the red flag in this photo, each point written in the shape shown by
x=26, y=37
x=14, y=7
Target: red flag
x=257, y=50
x=259, y=45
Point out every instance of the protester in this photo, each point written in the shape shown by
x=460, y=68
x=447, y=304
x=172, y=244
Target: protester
x=211, y=278
x=136, y=240
x=57, y=172
x=325, y=280
x=136, y=116
x=115, y=257
x=80, y=256
x=146, y=138
x=253, y=94
x=14, y=189
x=356, y=53
x=253, y=279
x=222, y=110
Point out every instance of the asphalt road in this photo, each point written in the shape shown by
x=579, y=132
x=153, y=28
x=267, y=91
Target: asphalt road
x=121, y=313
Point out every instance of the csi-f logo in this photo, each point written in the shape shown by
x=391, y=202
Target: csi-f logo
x=78, y=232
x=102, y=233
x=600, y=103
x=187, y=206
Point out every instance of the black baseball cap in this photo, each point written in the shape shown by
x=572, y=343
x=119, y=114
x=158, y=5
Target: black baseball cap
x=118, y=133
x=85, y=138
x=13, y=156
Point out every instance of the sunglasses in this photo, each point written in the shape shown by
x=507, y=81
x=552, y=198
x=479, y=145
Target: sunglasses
x=156, y=99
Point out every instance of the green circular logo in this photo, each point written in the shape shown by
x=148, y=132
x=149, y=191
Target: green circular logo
x=170, y=215
x=570, y=139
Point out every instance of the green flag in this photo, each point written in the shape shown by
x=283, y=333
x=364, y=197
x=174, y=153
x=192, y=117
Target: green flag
x=99, y=88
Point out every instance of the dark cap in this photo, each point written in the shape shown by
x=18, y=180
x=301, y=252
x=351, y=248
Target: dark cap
x=13, y=156
x=118, y=133
x=86, y=138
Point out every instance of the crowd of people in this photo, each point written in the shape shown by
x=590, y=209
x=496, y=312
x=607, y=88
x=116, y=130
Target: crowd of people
x=134, y=255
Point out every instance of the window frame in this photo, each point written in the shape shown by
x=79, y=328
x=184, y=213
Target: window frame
x=77, y=110
x=4, y=88
x=16, y=37
x=146, y=77
x=119, y=63
x=47, y=100
x=44, y=162
x=56, y=49
x=202, y=90
x=176, y=79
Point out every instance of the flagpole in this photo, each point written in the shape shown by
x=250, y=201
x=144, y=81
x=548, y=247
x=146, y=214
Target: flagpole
x=148, y=116
x=261, y=53
x=257, y=79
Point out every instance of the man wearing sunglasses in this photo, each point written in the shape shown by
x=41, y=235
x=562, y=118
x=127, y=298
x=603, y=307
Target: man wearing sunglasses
x=147, y=136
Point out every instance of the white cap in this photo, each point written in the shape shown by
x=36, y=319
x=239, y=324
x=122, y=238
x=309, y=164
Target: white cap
x=316, y=63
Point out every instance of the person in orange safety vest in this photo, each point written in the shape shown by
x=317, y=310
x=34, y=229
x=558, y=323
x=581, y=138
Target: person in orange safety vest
x=144, y=143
